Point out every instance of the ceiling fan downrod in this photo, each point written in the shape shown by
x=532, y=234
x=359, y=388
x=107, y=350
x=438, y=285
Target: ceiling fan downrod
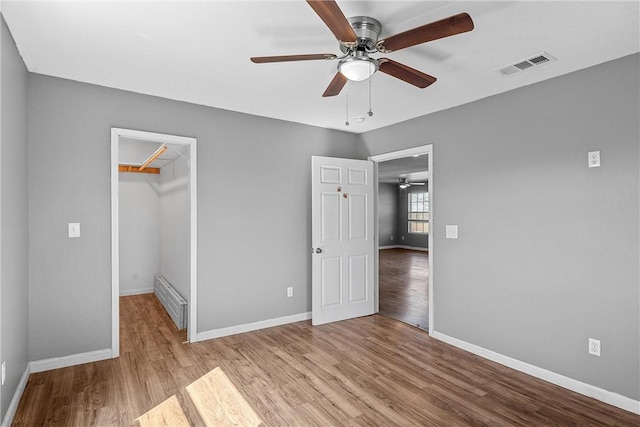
x=367, y=31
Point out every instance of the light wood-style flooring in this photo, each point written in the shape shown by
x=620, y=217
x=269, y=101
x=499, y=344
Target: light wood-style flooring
x=363, y=372
x=404, y=286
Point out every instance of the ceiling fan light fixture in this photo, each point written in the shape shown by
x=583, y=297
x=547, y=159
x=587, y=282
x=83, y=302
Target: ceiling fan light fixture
x=403, y=186
x=358, y=68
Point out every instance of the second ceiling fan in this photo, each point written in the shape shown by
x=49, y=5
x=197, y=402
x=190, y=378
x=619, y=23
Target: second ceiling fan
x=358, y=38
x=404, y=183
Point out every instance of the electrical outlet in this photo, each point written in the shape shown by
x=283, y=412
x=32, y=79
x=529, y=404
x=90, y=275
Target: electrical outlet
x=74, y=230
x=451, y=231
x=4, y=371
x=594, y=159
x=594, y=347
x=289, y=291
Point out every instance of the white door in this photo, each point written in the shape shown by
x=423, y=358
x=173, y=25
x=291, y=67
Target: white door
x=342, y=236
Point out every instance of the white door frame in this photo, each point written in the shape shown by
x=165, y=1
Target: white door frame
x=423, y=149
x=116, y=134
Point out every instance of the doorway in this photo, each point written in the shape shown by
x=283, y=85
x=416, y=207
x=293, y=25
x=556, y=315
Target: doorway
x=175, y=187
x=404, y=221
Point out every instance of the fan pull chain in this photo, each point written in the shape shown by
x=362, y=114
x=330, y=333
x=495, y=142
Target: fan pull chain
x=370, y=112
x=346, y=123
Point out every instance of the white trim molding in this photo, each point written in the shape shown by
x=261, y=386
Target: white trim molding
x=15, y=401
x=116, y=134
x=136, y=292
x=414, y=151
x=71, y=360
x=585, y=389
x=254, y=326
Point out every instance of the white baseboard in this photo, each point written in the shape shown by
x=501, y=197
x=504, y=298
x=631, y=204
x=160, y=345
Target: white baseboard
x=13, y=405
x=412, y=248
x=594, y=392
x=71, y=360
x=248, y=327
x=136, y=292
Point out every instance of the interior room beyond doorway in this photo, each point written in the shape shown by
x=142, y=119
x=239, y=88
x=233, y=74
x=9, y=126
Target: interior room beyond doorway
x=403, y=236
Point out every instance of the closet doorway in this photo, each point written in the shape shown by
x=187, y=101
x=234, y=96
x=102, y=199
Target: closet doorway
x=153, y=217
x=404, y=211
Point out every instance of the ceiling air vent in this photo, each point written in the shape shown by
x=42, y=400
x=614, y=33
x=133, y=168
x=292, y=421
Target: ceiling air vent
x=526, y=64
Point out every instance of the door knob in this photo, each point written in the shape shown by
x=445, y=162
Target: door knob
x=318, y=250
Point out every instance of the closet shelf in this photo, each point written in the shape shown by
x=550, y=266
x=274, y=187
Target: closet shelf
x=136, y=169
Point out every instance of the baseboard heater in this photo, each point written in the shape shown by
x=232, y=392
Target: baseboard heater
x=172, y=301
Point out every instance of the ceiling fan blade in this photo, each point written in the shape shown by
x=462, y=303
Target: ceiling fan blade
x=403, y=72
x=287, y=58
x=446, y=27
x=336, y=85
x=417, y=183
x=333, y=18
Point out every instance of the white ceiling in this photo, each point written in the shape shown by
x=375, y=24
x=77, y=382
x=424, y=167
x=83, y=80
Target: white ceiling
x=412, y=168
x=199, y=51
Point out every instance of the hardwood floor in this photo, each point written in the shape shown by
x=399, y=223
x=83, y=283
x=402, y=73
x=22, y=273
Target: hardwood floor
x=404, y=286
x=363, y=372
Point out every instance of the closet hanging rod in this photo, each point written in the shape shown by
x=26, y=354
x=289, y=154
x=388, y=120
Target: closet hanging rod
x=154, y=156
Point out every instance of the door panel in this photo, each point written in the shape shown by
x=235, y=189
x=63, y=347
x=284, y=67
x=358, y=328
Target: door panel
x=342, y=237
x=331, y=282
x=357, y=176
x=357, y=211
x=357, y=278
x=331, y=217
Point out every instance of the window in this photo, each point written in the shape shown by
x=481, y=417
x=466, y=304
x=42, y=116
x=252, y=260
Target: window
x=419, y=213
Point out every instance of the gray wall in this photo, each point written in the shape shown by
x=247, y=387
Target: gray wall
x=404, y=237
x=14, y=276
x=175, y=224
x=548, y=250
x=387, y=214
x=248, y=253
x=139, y=222
x=392, y=217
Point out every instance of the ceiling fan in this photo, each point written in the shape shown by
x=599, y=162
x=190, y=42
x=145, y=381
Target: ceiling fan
x=404, y=183
x=358, y=38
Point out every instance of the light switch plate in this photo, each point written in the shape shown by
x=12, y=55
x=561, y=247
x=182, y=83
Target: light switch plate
x=74, y=229
x=594, y=159
x=451, y=231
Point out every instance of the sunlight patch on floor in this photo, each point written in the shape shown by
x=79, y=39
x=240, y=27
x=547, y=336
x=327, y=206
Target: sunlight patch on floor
x=217, y=400
x=168, y=413
x=219, y=403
